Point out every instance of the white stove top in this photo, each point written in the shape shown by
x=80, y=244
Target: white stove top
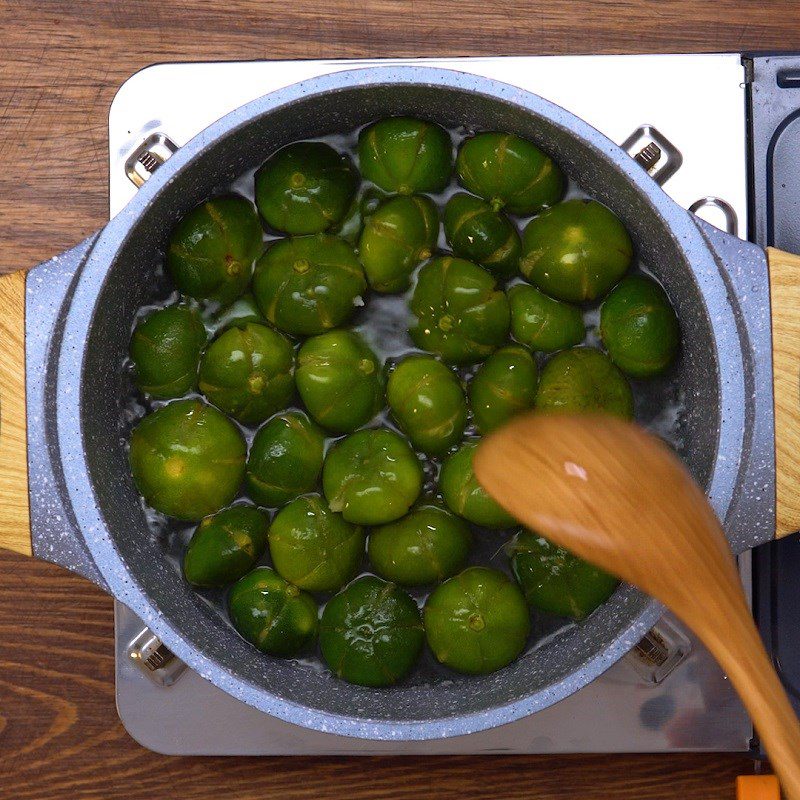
x=698, y=103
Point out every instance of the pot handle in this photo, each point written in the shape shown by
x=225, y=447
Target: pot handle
x=784, y=287
x=15, y=524
x=32, y=306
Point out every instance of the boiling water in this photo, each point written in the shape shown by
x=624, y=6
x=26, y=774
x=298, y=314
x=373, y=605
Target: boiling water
x=383, y=321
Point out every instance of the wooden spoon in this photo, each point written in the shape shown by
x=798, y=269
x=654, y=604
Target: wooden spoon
x=617, y=496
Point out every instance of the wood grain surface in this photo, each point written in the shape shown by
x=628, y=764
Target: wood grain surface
x=61, y=62
x=784, y=289
x=15, y=528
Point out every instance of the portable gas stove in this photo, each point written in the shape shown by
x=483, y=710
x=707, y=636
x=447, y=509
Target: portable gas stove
x=686, y=119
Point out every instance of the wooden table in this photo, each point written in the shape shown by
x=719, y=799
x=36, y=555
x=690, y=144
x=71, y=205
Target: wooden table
x=60, y=64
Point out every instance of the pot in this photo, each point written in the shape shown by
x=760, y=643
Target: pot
x=66, y=494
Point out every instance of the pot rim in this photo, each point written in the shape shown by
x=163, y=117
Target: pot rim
x=123, y=582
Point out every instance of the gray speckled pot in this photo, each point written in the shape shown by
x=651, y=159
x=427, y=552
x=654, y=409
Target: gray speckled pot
x=85, y=510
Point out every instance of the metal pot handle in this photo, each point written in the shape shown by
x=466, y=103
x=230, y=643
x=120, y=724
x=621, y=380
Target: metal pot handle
x=34, y=518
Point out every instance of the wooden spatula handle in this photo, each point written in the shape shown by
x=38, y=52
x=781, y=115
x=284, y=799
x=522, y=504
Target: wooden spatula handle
x=15, y=526
x=738, y=648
